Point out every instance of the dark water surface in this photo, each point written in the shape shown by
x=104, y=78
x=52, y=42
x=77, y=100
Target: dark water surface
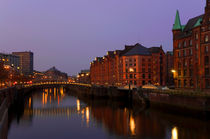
x=56, y=114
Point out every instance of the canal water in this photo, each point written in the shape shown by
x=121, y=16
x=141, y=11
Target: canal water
x=55, y=113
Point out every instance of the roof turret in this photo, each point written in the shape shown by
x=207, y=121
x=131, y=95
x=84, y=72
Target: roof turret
x=177, y=25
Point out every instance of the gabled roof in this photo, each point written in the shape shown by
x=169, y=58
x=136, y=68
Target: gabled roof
x=138, y=49
x=52, y=69
x=193, y=22
x=155, y=49
x=127, y=48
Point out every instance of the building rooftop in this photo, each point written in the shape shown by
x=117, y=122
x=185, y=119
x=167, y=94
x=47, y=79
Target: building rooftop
x=139, y=49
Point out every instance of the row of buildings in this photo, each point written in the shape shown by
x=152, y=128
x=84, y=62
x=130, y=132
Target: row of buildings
x=22, y=62
x=50, y=75
x=134, y=65
x=191, y=47
x=187, y=67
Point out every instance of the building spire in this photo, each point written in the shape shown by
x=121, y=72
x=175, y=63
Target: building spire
x=177, y=24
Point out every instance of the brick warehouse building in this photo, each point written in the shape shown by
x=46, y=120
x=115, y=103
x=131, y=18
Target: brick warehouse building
x=191, y=51
x=136, y=65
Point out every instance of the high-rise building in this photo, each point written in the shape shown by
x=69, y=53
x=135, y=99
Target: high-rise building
x=10, y=60
x=26, y=62
x=191, y=44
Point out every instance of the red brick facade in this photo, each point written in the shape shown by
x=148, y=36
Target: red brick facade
x=134, y=65
x=191, y=52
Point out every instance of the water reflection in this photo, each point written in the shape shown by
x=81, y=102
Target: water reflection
x=174, y=133
x=54, y=109
x=132, y=125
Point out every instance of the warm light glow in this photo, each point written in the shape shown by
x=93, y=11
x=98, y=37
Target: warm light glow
x=173, y=71
x=45, y=98
x=42, y=98
x=131, y=70
x=58, y=100
x=78, y=105
x=6, y=67
x=61, y=91
x=174, y=133
x=87, y=115
x=132, y=125
x=29, y=103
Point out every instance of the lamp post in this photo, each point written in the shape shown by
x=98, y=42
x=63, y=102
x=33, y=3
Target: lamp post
x=173, y=72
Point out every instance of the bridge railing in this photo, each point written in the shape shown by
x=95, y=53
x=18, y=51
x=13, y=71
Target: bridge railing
x=55, y=83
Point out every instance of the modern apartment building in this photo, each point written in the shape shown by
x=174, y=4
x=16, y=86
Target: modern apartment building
x=26, y=62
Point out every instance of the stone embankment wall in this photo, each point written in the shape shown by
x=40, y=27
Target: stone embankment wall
x=173, y=101
x=99, y=92
x=6, y=99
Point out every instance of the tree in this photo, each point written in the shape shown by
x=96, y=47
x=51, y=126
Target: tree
x=3, y=73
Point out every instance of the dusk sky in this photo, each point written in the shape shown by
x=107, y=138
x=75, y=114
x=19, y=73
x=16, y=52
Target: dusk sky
x=69, y=34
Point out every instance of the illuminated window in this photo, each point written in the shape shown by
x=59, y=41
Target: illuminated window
x=206, y=38
x=196, y=36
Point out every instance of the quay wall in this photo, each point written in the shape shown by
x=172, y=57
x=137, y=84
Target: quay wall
x=177, y=102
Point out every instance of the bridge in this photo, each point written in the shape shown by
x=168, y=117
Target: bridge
x=53, y=83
